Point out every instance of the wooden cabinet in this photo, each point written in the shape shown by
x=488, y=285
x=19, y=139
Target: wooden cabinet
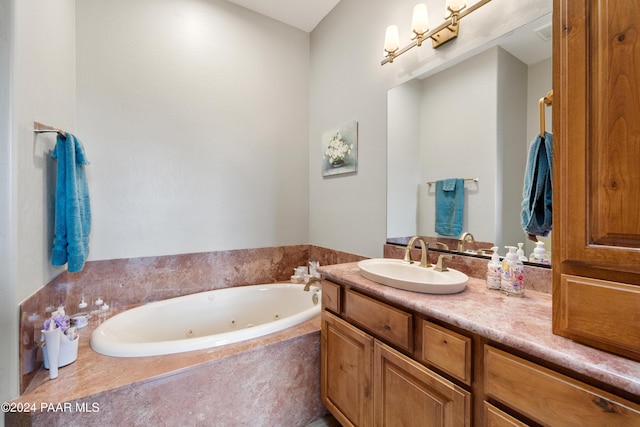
x=407, y=394
x=366, y=382
x=494, y=417
x=380, y=319
x=596, y=200
x=373, y=373
x=550, y=398
x=331, y=296
x=346, y=372
x=446, y=350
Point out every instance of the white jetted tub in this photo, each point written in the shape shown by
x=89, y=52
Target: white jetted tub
x=206, y=319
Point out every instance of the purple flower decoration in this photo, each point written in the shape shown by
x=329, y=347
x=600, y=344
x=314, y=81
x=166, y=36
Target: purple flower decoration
x=59, y=322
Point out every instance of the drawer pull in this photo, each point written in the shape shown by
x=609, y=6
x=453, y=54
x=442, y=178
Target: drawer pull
x=387, y=327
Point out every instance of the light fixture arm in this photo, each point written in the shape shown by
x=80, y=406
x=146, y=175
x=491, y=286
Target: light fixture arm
x=438, y=34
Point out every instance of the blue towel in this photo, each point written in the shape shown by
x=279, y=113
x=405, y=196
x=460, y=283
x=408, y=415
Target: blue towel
x=537, y=191
x=449, y=206
x=72, y=211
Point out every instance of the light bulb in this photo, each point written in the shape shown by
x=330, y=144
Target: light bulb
x=420, y=22
x=391, y=39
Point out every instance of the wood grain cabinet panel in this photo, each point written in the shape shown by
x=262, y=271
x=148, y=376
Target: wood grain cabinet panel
x=550, y=398
x=494, y=417
x=383, y=320
x=346, y=372
x=331, y=296
x=586, y=305
x=407, y=394
x=446, y=350
x=596, y=178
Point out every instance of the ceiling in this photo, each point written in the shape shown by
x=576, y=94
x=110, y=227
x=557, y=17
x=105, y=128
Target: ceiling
x=525, y=43
x=302, y=14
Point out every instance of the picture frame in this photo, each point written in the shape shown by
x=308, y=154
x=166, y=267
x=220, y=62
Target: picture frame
x=340, y=150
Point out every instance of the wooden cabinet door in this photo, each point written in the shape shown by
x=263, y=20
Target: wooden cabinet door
x=596, y=172
x=346, y=372
x=407, y=394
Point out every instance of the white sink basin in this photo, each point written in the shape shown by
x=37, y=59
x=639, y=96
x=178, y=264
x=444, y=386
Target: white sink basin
x=411, y=277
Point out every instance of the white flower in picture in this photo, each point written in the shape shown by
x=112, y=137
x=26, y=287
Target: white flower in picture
x=340, y=149
x=337, y=149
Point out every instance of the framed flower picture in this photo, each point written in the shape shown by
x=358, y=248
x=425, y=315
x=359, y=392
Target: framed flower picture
x=340, y=150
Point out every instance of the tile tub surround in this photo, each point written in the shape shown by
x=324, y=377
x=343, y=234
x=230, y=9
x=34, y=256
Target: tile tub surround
x=271, y=380
x=522, y=324
x=125, y=282
x=535, y=278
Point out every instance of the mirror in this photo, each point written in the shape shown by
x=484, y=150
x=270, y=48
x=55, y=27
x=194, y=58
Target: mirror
x=473, y=120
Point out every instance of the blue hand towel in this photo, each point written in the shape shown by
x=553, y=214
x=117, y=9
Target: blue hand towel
x=537, y=191
x=72, y=207
x=449, y=206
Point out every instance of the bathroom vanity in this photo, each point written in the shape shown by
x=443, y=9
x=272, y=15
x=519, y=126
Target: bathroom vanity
x=394, y=357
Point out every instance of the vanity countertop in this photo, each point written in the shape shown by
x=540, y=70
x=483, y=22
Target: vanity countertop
x=523, y=324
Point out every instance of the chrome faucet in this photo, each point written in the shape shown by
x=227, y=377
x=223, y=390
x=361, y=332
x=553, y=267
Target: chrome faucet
x=424, y=261
x=311, y=280
x=466, y=237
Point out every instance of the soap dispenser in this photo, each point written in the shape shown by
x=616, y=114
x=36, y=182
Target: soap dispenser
x=512, y=282
x=494, y=270
x=520, y=252
x=540, y=254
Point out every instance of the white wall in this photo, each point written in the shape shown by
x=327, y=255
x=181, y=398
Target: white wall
x=194, y=114
x=459, y=140
x=42, y=88
x=403, y=164
x=511, y=154
x=347, y=83
x=8, y=317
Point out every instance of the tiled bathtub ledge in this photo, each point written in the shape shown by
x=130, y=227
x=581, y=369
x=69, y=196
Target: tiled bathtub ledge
x=111, y=383
x=125, y=282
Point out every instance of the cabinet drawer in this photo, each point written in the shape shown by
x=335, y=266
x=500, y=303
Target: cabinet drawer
x=380, y=319
x=331, y=296
x=584, y=313
x=446, y=350
x=550, y=398
x=494, y=417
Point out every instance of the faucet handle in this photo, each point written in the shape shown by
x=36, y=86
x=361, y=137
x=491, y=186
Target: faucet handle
x=441, y=266
x=442, y=245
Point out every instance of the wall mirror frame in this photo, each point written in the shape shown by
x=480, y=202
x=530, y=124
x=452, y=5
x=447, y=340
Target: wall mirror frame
x=472, y=118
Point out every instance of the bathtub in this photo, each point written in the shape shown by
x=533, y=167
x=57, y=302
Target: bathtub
x=205, y=319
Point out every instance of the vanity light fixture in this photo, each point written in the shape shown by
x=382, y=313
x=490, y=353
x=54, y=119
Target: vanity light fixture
x=448, y=30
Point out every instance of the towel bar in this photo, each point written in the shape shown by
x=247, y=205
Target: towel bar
x=547, y=100
x=465, y=179
x=42, y=128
